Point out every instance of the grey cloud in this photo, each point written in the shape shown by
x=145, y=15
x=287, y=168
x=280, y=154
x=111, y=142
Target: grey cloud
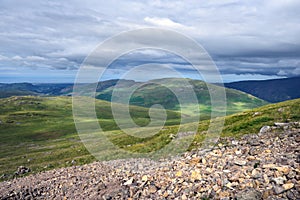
x=243, y=37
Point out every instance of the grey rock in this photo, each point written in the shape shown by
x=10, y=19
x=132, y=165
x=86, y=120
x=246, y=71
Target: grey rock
x=278, y=189
x=249, y=194
x=279, y=124
x=22, y=170
x=264, y=129
x=240, y=162
x=254, y=151
x=256, y=114
x=279, y=180
x=254, y=142
x=269, y=165
x=298, y=158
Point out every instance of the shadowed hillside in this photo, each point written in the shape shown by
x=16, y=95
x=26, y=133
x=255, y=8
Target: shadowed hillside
x=276, y=90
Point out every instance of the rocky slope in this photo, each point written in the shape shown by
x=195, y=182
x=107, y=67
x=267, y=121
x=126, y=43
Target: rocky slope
x=257, y=166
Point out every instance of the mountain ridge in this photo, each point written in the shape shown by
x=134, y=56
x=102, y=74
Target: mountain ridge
x=273, y=90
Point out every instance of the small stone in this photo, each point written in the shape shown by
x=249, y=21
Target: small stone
x=283, y=188
x=195, y=175
x=251, y=158
x=254, y=142
x=271, y=166
x=178, y=174
x=297, y=138
x=288, y=186
x=145, y=178
x=195, y=160
x=165, y=194
x=266, y=194
x=172, y=136
x=266, y=178
x=152, y=189
x=224, y=194
x=215, y=187
x=281, y=124
x=184, y=197
x=265, y=129
x=129, y=182
x=22, y=170
x=249, y=194
x=268, y=151
x=291, y=195
x=279, y=180
x=249, y=184
x=241, y=180
x=240, y=162
x=229, y=185
x=256, y=173
x=283, y=169
x=278, y=189
x=238, y=152
x=291, y=175
x=256, y=114
x=235, y=177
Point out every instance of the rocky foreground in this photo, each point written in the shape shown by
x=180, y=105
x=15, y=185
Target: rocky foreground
x=257, y=166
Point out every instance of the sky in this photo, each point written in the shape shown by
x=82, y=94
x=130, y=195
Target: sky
x=47, y=41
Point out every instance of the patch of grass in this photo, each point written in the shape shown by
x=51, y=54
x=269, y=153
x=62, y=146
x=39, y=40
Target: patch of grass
x=236, y=125
x=166, y=91
x=39, y=132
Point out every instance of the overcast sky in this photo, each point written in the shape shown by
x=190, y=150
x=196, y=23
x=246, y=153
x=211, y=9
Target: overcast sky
x=46, y=41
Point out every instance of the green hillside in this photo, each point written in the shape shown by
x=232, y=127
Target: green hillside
x=42, y=89
x=160, y=91
x=236, y=125
x=39, y=132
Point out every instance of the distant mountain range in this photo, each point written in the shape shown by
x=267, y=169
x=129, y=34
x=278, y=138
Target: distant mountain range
x=22, y=89
x=146, y=94
x=275, y=90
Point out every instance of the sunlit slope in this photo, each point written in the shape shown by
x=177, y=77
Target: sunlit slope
x=39, y=133
x=166, y=91
x=247, y=122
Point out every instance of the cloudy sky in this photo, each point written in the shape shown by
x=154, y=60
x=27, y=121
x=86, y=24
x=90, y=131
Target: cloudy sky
x=47, y=41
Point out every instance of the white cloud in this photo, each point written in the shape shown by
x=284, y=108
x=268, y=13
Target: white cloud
x=35, y=58
x=163, y=22
x=60, y=34
x=17, y=58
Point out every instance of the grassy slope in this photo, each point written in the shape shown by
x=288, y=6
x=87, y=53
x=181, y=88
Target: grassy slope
x=235, y=125
x=41, y=129
x=152, y=93
x=39, y=132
